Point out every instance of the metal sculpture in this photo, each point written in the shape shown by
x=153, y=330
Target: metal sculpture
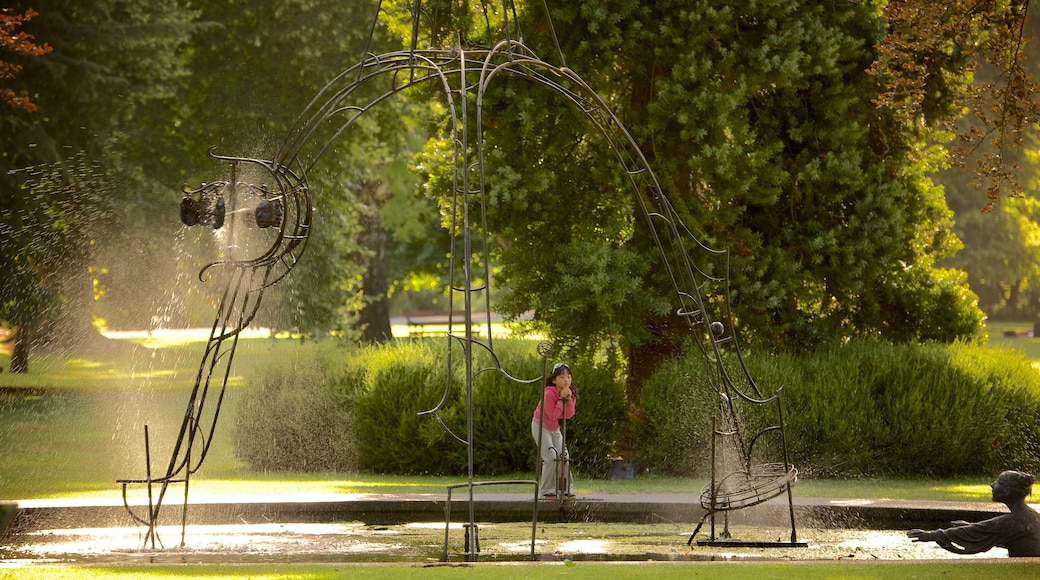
x=281, y=209
x=463, y=74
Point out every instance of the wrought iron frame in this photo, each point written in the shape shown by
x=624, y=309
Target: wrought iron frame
x=699, y=273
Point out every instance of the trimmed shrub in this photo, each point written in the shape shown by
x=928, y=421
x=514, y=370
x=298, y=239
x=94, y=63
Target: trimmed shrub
x=600, y=411
x=866, y=408
x=931, y=410
x=673, y=435
x=404, y=380
x=290, y=420
x=379, y=392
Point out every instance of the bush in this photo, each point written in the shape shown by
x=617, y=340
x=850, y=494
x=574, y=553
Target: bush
x=404, y=379
x=600, y=411
x=867, y=408
x=289, y=418
x=673, y=431
x=340, y=407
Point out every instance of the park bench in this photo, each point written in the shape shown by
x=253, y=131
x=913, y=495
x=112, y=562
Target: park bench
x=424, y=323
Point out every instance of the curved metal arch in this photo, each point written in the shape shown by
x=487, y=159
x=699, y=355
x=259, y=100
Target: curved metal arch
x=496, y=367
x=250, y=277
x=587, y=101
x=515, y=59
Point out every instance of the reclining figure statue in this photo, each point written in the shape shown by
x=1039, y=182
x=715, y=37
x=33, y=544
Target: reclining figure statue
x=1018, y=531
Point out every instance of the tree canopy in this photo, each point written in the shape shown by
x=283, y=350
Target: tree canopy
x=762, y=121
x=98, y=96
x=802, y=137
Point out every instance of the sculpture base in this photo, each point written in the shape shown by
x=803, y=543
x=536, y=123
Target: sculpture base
x=743, y=544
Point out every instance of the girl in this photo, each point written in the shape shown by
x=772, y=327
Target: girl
x=558, y=400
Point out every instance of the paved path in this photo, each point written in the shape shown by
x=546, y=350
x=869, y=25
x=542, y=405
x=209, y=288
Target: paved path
x=493, y=507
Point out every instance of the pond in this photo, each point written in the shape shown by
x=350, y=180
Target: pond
x=423, y=542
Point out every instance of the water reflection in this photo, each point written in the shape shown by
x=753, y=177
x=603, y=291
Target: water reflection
x=422, y=542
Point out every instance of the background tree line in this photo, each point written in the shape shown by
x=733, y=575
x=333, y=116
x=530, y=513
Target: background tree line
x=804, y=137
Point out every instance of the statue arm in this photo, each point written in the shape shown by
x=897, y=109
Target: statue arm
x=964, y=538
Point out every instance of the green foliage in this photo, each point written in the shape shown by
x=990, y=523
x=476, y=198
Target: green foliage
x=926, y=410
x=760, y=122
x=673, y=430
x=392, y=438
x=1001, y=247
x=869, y=408
x=333, y=408
x=591, y=435
x=102, y=95
x=297, y=416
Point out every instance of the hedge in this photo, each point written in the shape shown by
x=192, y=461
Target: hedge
x=358, y=408
x=865, y=408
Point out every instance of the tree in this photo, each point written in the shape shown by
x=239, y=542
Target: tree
x=1000, y=234
x=250, y=83
x=925, y=66
x=763, y=125
x=111, y=63
x=1001, y=251
x=18, y=284
x=19, y=42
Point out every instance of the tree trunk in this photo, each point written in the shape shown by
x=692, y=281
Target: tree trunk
x=374, y=318
x=20, y=353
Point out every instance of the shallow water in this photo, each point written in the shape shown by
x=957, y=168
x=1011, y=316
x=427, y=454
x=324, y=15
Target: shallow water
x=424, y=543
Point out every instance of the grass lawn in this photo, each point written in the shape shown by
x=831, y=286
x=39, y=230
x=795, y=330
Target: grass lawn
x=75, y=424
x=1029, y=346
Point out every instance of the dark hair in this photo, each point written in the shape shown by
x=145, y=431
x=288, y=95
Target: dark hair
x=557, y=370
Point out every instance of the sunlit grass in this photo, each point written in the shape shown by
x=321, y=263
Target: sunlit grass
x=1029, y=346
x=896, y=489
x=289, y=485
x=78, y=449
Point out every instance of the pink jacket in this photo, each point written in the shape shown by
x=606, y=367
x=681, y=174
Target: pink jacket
x=554, y=408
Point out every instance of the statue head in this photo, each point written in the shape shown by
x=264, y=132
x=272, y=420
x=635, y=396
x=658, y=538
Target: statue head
x=1012, y=485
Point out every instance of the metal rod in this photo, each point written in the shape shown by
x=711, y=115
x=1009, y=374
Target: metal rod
x=467, y=299
x=148, y=474
x=787, y=467
x=538, y=454
x=713, y=491
x=187, y=478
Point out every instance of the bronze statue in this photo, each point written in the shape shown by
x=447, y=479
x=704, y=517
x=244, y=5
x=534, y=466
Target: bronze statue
x=1018, y=531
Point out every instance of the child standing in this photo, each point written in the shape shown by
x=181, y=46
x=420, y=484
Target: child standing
x=557, y=402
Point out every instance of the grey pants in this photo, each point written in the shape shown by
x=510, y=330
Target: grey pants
x=552, y=442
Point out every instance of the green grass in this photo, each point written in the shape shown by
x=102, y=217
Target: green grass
x=1029, y=346
x=960, y=569
x=143, y=363
x=75, y=424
